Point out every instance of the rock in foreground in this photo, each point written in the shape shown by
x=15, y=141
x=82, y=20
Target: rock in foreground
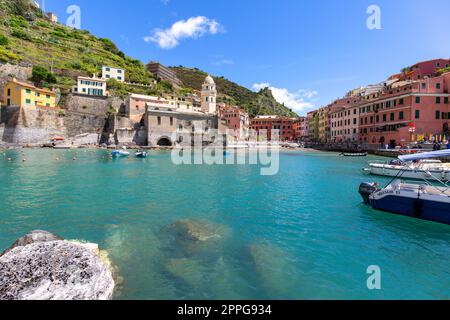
x=55, y=270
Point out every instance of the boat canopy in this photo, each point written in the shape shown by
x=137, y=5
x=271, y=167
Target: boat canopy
x=426, y=155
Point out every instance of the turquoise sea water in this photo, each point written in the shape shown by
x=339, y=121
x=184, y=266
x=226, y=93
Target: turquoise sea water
x=302, y=234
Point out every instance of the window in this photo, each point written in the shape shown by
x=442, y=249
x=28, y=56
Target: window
x=417, y=99
x=417, y=114
x=119, y=78
x=446, y=100
x=108, y=69
x=27, y=90
x=384, y=117
x=171, y=121
x=108, y=76
x=119, y=71
x=9, y=92
x=47, y=96
x=47, y=104
x=392, y=117
x=159, y=121
x=438, y=86
x=401, y=115
x=378, y=119
x=438, y=100
x=28, y=101
x=401, y=102
x=424, y=85
x=438, y=115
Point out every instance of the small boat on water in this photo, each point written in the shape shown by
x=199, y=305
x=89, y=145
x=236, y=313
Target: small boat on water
x=120, y=153
x=426, y=200
x=141, y=154
x=361, y=154
x=417, y=170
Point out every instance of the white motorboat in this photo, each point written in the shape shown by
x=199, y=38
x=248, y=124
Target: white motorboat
x=418, y=170
x=120, y=153
x=423, y=200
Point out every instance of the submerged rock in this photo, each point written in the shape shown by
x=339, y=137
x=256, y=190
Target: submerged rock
x=54, y=270
x=197, y=231
x=188, y=270
x=190, y=237
x=272, y=267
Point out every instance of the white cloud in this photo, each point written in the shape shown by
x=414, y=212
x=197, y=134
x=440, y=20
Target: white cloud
x=194, y=27
x=298, y=101
x=223, y=62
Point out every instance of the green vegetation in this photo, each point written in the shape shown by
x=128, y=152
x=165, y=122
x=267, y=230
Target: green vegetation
x=42, y=77
x=21, y=35
x=120, y=89
x=445, y=70
x=3, y=40
x=26, y=36
x=7, y=56
x=31, y=39
x=255, y=103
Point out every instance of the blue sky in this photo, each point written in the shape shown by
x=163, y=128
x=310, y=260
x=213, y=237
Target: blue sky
x=310, y=52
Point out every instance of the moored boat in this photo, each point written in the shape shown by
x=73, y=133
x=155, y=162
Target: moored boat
x=418, y=170
x=424, y=200
x=361, y=154
x=141, y=154
x=120, y=153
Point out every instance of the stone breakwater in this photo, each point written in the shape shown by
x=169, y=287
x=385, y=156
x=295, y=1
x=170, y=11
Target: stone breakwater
x=42, y=266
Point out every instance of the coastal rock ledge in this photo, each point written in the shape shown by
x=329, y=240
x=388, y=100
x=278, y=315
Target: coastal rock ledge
x=42, y=266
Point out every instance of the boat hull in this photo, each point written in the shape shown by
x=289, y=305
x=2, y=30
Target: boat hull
x=414, y=208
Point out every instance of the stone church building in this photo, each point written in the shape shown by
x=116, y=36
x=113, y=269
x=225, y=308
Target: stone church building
x=168, y=126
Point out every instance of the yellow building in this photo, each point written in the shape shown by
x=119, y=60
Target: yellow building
x=18, y=93
x=324, y=124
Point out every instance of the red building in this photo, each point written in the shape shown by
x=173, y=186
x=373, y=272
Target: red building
x=406, y=111
x=287, y=127
x=423, y=69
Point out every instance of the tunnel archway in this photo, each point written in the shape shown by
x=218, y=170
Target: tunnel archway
x=164, y=142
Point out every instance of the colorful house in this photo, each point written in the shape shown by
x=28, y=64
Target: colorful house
x=113, y=73
x=17, y=93
x=91, y=86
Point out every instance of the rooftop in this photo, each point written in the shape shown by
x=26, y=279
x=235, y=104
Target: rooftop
x=30, y=86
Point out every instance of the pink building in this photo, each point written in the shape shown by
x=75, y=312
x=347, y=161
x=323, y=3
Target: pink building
x=407, y=111
x=344, y=119
x=301, y=129
x=136, y=104
x=236, y=119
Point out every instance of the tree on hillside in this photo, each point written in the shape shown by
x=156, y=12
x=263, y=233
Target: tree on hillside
x=42, y=77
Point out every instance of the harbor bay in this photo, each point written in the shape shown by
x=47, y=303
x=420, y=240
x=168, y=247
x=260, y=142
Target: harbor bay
x=225, y=232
